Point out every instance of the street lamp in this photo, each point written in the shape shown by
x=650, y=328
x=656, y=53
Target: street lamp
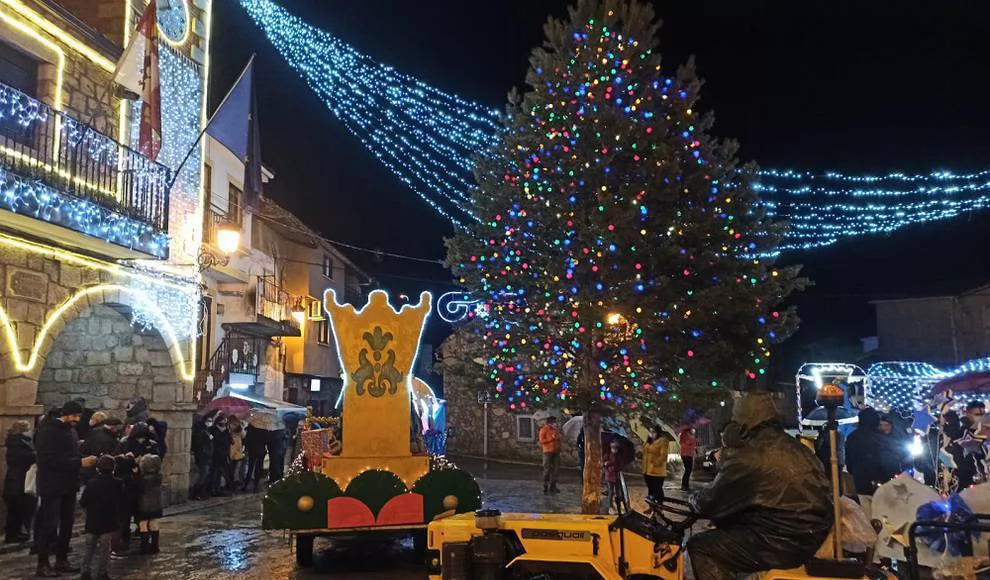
x=228, y=239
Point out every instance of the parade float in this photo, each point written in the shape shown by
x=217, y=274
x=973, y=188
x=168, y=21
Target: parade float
x=369, y=470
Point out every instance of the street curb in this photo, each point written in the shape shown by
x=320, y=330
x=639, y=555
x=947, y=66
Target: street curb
x=187, y=507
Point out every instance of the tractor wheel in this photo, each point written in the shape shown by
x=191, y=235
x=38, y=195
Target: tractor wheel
x=304, y=551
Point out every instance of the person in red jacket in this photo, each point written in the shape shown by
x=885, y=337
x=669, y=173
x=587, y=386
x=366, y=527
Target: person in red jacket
x=689, y=445
x=550, y=442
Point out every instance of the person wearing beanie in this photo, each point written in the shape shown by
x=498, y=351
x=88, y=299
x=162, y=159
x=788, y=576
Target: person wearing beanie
x=149, y=503
x=102, y=440
x=59, y=464
x=99, y=499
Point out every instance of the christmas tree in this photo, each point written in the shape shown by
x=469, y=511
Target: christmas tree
x=616, y=237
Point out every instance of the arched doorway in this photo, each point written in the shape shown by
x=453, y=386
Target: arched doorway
x=102, y=358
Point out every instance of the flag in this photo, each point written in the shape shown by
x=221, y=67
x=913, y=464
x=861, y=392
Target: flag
x=128, y=72
x=150, y=136
x=235, y=126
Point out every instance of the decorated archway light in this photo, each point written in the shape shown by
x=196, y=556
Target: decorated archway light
x=428, y=139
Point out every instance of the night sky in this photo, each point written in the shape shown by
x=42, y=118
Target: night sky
x=844, y=85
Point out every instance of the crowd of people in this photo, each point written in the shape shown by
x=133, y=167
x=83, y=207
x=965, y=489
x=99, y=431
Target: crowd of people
x=230, y=455
x=116, y=462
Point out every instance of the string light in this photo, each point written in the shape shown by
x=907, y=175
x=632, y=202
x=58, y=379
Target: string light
x=907, y=385
x=424, y=136
x=26, y=197
x=428, y=139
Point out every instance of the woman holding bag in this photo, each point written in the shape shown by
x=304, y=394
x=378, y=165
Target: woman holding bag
x=20, y=501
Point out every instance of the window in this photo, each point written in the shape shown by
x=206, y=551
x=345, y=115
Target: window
x=314, y=309
x=234, y=200
x=314, y=385
x=525, y=428
x=323, y=335
x=328, y=266
x=18, y=70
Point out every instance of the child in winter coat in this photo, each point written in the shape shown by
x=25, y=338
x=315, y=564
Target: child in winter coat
x=236, y=476
x=100, y=499
x=613, y=464
x=149, y=505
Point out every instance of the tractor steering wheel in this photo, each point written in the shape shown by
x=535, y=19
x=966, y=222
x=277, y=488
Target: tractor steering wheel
x=663, y=508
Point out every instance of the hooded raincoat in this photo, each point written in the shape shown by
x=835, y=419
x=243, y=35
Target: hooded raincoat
x=771, y=502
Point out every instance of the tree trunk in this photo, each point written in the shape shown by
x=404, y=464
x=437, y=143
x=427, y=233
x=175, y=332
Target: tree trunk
x=591, y=500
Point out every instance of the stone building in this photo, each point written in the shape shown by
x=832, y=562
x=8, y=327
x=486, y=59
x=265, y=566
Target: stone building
x=98, y=280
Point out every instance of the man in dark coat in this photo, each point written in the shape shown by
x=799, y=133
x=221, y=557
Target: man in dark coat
x=103, y=439
x=221, y=456
x=20, y=504
x=159, y=432
x=202, y=450
x=770, y=502
x=255, y=440
x=59, y=464
x=869, y=454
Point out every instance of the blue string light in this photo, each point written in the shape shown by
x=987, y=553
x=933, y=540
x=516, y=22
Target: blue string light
x=906, y=385
x=428, y=139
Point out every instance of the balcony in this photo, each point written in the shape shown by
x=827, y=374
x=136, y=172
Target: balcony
x=65, y=183
x=272, y=312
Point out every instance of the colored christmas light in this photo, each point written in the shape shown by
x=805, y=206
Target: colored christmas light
x=429, y=139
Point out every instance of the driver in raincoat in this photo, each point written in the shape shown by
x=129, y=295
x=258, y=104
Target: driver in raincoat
x=770, y=502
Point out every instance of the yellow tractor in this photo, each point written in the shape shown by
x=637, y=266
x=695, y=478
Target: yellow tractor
x=489, y=545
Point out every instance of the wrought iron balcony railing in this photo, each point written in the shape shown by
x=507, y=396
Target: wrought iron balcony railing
x=275, y=304
x=57, y=169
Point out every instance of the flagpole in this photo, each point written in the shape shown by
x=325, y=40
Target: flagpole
x=175, y=174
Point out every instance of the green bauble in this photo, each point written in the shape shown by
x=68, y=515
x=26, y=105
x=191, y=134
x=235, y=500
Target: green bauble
x=375, y=488
x=436, y=485
x=281, y=507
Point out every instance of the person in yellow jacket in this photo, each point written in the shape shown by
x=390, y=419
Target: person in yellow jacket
x=655, y=461
x=550, y=442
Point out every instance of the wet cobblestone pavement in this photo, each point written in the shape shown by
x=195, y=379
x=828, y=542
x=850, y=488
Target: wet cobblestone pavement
x=226, y=541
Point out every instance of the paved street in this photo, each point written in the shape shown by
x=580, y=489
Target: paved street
x=227, y=542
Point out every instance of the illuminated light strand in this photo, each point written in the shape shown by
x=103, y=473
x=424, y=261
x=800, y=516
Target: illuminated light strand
x=428, y=139
x=22, y=196
x=424, y=136
x=907, y=385
x=186, y=371
x=53, y=29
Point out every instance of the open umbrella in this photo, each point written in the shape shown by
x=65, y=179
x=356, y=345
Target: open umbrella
x=265, y=420
x=572, y=428
x=231, y=406
x=976, y=383
x=819, y=417
x=627, y=450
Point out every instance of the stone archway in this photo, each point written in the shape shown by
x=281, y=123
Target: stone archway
x=101, y=357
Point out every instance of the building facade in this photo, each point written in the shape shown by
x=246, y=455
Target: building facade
x=98, y=282
x=264, y=334
x=941, y=330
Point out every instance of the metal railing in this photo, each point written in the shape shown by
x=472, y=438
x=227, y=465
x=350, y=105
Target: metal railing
x=38, y=142
x=274, y=303
x=212, y=218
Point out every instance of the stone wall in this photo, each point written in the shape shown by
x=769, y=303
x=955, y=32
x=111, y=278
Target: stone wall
x=101, y=357
x=89, y=349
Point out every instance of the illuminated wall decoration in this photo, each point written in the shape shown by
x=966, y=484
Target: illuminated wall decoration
x=456, y=306
x=428, y=138
x=128, y=294
x=32, y=198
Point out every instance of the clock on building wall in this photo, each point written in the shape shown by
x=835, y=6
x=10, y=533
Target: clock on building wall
x=173, y=19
